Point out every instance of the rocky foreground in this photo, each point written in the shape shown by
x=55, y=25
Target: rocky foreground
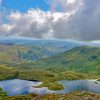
x=71, y=96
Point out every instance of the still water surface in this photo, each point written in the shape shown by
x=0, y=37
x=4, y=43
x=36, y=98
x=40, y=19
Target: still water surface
x=18, y=87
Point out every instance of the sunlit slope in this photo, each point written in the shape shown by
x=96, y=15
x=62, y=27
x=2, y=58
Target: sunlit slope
x=7, y=73
x=25, y=53
x=83, y=59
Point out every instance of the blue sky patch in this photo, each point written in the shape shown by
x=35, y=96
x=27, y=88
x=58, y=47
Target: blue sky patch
x=24, y=5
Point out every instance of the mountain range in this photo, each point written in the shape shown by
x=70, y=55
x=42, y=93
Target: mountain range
x=20, y=50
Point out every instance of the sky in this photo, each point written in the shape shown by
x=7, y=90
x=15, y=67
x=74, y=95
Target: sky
x=47, y=19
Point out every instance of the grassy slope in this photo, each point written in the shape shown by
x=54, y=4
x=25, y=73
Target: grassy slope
x=48, y=78
x=7, y=73
x=21, y=53
x=81, y=59
x=71, y=65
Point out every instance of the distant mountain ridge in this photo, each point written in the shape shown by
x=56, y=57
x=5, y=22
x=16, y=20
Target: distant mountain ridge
x=20, y=50
x=46, y=42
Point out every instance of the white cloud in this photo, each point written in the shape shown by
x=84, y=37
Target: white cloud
x=71, y=1
x=38, y=23
x=65, y=5
x=5, y=29
x=34, y=23
x=76, y=19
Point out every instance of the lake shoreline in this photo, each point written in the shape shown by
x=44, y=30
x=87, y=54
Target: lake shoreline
x=17, y=86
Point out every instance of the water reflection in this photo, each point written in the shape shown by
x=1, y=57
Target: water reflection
x=17, y=87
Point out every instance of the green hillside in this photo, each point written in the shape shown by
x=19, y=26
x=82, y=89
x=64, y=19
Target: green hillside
x=77, y=63
x=81, y=59
x=7, y=73
x=24, y=53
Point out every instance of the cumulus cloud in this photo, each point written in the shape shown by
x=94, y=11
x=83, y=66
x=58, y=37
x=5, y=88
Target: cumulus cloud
x=65, y=5
x=67, y=19
x=87, y=20
x=5, y=28
x=35, y=23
